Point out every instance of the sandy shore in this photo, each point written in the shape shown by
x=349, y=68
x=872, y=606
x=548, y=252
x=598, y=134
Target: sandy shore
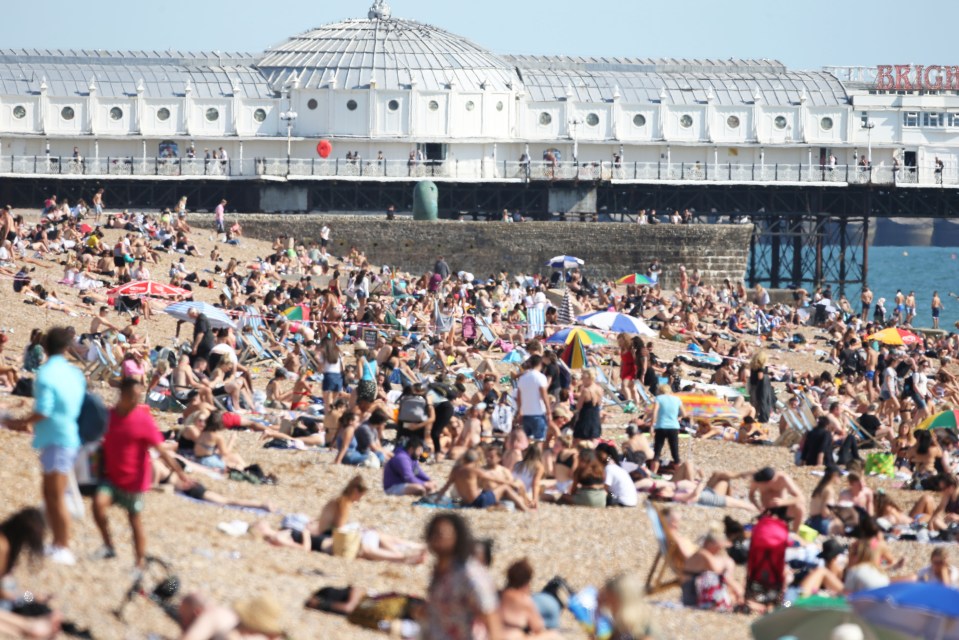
x=584, y=546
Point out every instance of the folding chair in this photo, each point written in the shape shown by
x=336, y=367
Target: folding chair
x=669, y=557
x=535, y=322
x=611, y=395
x=485, y=333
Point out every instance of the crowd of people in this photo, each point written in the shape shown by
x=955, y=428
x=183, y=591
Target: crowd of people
x=447, y=373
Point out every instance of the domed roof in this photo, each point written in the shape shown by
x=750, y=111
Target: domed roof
x=395, y=53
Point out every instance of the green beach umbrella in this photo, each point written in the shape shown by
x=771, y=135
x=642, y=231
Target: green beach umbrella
x=814, y=618
x=942, y=420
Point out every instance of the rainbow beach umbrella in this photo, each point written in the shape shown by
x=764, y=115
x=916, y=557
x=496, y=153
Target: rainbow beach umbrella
x=895, y=336
x=297, y=312
x=942, y=420
x=574, y=355
x=588, y=338
x=635, y=278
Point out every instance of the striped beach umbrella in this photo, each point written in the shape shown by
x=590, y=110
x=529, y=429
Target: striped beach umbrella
x=635, y=278
x=565, y=312
x=618, y=322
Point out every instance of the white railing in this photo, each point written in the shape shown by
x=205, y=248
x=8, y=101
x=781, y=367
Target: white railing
x=477, y=170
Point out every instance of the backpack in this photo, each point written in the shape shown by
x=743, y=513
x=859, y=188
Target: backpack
x=908, y=386
x=765, y=580
x=92, y=421
x=447, y=391
x=412, y=409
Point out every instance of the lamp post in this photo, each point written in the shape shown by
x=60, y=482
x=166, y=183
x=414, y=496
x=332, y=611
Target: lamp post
x=869, y=125
x=289, y=117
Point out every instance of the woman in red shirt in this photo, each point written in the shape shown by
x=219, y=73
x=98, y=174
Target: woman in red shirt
x=627, y=368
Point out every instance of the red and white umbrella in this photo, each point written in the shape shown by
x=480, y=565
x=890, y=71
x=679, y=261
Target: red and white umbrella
x=150, y=289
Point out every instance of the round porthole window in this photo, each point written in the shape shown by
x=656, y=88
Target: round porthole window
x=686, y=121
x=19, y=112
x=212, y=114
x=826, y=124
x=470, y=105
x=545, y=118
x=312, y=104
x=116, y=113
x=351, y=105
x=393, y=105
x=434, y=105
x=780, y=122
x=259, y=115
x=592, y=119
x=499, y=105
x=732, y=122
x=163, y=114
x=639, y=120
x=67, y=113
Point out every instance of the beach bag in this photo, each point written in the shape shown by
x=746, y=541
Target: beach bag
x=413, y=409
x=387, y=607
x=502, y=418
x=711, y=592
x=881, y=464
x=92, y=421
x=346, y=542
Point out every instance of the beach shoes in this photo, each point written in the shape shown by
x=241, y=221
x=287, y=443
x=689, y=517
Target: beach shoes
x=61, y=555
x=104, y=553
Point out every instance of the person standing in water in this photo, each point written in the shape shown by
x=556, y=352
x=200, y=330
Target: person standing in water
x=936, y=309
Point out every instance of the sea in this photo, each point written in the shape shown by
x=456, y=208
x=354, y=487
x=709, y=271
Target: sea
x=924, y=270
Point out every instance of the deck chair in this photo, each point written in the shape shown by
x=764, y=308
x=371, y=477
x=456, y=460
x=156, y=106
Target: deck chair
x=535, y=322
x=255, y=352
x=611, y=395
x=485, y=333
x=668, y=558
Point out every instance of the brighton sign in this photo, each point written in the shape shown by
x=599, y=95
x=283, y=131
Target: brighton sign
x=917, y=77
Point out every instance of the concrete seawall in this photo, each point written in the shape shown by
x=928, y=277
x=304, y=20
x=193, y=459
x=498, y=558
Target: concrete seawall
x=611, y=250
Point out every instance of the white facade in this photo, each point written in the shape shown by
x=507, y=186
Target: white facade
x=458, y=107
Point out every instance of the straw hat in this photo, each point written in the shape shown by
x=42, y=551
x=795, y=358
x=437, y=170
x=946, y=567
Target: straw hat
x=361, y=344
x=262, y=614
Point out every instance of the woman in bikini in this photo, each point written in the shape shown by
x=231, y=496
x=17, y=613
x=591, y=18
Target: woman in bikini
x=560, y=463
x=302, y=395
x=317, y=535
x=824, y=496
x=518, y=612
x=211, y=448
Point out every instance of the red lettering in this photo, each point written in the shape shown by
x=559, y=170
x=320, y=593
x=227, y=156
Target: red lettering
x=902, y=77
x=952, y=78
x=928, y=83
x=884, y=79
x=917, y=84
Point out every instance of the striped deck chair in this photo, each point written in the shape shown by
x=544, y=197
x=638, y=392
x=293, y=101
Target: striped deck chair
x=611, y=395
x=669, y=556
x=485, y=333
x=535, y=322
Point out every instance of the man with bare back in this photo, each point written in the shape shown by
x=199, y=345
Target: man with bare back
x=777, y=490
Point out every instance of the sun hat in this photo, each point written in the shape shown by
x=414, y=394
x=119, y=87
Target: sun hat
x=261, y=614
x=360, y=344
x=831, y=548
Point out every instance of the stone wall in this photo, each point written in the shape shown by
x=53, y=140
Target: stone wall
x=609, y=249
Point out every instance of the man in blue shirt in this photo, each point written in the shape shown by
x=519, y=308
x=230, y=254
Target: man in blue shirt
x=58, y=391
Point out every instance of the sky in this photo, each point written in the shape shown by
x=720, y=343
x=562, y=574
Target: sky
x=804, y=35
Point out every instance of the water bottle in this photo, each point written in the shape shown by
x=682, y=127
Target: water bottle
x=259, y=399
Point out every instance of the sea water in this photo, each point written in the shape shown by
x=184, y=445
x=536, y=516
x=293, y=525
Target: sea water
x=920, y=269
